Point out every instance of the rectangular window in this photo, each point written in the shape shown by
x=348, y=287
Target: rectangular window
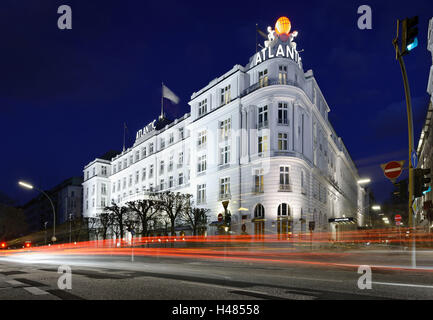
x=143, y=152
x=104, y=170
x=224, y=187
x=225, y=95
x=201, y=164
x=103, y=189
x=180, y=179
x=258, y=181
x=131, y=159
x=143, y=174
x=171, y=138
x=180, y=163
x=225, y=155
x=282, y=74
x=161, y=167
x=170, y=182
x=181, y=135
x=161, y=184
x=201, y=193
x=202, y=107
x=225, y=129
x=262, y=144
x=263, y=117
x=137, y=156
x=103, y=202
x=118, y=185
x=263, y=78
x=162, y=143
x=202, y=137
x=125, y=163
x=151, y=171
x=151, y=148
x=130, y=181
x=282, y=113
x=137, y=176
x=93, y=190
x=282, y=142
x=284, y=179
x=170, y=163
x=120, y=165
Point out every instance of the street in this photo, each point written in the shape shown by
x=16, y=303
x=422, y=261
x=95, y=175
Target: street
x=294, y=274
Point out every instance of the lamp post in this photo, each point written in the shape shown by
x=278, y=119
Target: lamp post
x=29, y=186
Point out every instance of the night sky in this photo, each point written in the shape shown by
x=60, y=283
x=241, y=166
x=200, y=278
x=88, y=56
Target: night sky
x=64, y=94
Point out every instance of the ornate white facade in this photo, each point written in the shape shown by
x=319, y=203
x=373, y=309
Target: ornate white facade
x=259, y=137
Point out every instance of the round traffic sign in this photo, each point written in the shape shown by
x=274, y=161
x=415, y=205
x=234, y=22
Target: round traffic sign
x=220, y=217
x=393, y=169
x=397, y=217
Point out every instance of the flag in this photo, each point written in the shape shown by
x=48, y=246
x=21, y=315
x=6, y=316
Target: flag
x=167, y=93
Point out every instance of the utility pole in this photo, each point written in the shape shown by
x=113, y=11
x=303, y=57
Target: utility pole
x=409, y=41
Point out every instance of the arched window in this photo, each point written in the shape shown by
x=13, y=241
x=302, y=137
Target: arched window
x=259, y=211
x=283, y=210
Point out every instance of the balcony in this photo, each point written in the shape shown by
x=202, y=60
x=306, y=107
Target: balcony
x=285, y=188
x=224, y=196
x=263, y=124
x=270, y=82
x=258, y=189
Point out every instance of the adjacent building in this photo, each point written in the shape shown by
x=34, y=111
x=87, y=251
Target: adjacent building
x=425, y=147
x=257, y=140
x=67, y=200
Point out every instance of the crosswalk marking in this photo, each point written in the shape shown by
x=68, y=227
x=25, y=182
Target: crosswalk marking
x=15, y=283
x=35, y=291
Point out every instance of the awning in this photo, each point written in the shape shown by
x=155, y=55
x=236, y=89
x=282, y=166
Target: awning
x=341, y=220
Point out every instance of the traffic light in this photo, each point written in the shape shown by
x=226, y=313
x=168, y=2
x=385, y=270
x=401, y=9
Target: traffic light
x=409, y=35
x=421, y=178
x=401, y=189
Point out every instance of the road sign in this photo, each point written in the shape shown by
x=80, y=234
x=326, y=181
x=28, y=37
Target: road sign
x=392, y=169
x=414, y=207
x=397, y=223
x=414, y=159
x=397, y=218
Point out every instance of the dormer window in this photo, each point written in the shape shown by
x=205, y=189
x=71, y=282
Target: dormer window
x=225, y=95
x=202, y=107
x=263, y=78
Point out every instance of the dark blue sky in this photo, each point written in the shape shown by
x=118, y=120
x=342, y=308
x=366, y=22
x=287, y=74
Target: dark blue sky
x=64, y=95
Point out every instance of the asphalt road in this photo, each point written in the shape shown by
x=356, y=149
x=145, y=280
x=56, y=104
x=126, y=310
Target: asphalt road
x=321, y=275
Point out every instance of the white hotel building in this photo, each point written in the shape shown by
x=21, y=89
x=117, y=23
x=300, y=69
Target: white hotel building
x=257, y=136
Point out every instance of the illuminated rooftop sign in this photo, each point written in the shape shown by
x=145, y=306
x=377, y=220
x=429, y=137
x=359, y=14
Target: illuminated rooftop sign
x=150, y=127
x=280, y=43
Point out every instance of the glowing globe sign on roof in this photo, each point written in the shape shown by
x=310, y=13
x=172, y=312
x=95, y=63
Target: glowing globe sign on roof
x=283, y=26
x=280, y=43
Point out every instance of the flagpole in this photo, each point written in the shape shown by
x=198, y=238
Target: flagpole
x=124, y=133
x=162, y=100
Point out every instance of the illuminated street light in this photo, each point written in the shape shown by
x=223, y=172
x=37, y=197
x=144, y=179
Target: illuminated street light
x=375, y=208
x=364, y=181
x=25, y=185
x=29, y=186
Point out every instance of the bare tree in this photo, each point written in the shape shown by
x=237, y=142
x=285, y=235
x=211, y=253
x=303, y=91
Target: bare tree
x=173, y=204
x=118, y=215
x=196, y=218
x=145, y=210
x=92, y=224
x=105, y=222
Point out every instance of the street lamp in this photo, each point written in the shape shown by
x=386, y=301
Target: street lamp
x=364, y=181
x=29, y=186
x=376, y=208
